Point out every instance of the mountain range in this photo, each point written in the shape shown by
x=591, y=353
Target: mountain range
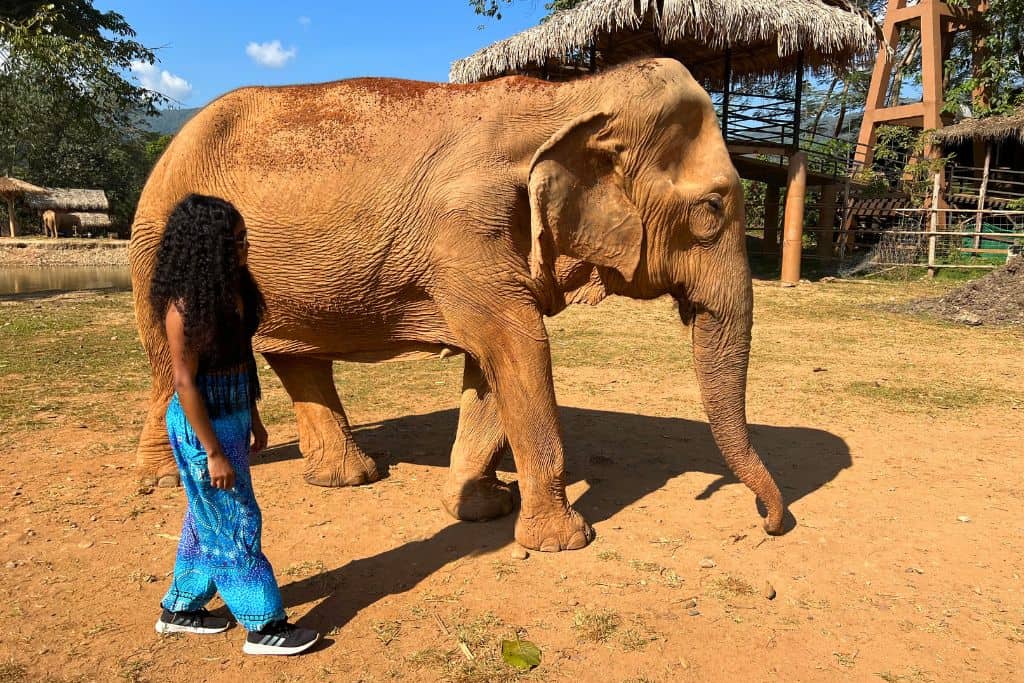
x=170, y=121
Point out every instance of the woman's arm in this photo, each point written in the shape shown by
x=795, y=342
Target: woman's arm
x=259, y=432
x=185, y=364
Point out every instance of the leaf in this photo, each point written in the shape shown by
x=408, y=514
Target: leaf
x=522, y=654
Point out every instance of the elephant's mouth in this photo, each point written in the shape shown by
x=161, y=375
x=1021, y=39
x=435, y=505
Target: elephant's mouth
x=687, y=309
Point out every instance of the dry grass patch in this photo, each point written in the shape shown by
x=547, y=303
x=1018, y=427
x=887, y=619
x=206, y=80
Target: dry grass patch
x=387, y=632
x=469, y=651
x=306, y=568
x=728, y=587
x=595, y=626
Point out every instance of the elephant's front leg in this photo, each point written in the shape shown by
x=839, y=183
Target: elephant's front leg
x=325, y=437
x=473, y=492
x=511, y=346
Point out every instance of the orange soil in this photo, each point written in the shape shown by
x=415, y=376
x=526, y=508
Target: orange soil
x=879, y=579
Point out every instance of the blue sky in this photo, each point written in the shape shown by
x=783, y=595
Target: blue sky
x=207, y=47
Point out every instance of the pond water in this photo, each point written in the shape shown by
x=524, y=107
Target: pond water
x=23, y=280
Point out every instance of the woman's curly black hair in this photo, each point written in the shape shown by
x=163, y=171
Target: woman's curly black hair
x=198, y=270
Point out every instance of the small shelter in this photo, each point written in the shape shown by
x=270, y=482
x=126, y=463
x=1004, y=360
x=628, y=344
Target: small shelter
x=77, y=208
x=727, y=45
x=1000, y=139
x=992, y=130
x=999, y=182
x=12, y=189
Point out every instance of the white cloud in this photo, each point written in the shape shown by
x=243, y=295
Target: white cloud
x=270, y=54
x=305, y=22
x=162, y=81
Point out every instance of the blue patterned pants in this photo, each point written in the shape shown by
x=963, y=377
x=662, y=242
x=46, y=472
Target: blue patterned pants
x=220, y=548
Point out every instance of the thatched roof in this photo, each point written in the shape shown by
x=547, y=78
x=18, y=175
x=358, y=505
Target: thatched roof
x=91, y=219
x=992, y=129
x=763, y=36
x=15, y=188
x=62, y=199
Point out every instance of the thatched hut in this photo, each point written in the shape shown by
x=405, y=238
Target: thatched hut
x=76, y=209
x=759, y=39
x=999, y=140
x=724, y=44
x=993, y=129
x=12, y=189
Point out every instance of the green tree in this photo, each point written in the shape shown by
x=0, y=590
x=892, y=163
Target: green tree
x=492, y=8
x=68, y=115
x=986, y=66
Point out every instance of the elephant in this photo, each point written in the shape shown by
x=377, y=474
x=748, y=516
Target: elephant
x=54, y=221
x=394, y=219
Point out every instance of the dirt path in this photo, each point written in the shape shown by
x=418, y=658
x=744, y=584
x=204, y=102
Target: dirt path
x=895, y=440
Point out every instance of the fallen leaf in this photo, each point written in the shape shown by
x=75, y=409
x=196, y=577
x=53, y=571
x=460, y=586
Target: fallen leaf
x=522, y=654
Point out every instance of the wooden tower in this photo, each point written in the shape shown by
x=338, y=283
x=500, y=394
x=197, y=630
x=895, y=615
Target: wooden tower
x=937, y=22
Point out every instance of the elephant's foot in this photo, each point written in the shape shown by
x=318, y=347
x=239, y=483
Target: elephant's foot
x=562, y=530
x=164, y=475
x=354, y=468
x=477, y=500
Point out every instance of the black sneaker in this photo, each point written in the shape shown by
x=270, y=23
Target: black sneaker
x=199, y=621
x=279, y=638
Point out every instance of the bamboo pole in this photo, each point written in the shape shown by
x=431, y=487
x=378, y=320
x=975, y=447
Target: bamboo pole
x=793, y=231
x=826, y=221
x=982, y=192
x=10, y=216
x=771, y=219
x=933, y=223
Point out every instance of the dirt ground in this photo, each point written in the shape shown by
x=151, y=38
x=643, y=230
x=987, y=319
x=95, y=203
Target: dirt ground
x=896, y=441
x=995, y=299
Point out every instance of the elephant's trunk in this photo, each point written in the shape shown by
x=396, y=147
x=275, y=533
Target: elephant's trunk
x=721, y=348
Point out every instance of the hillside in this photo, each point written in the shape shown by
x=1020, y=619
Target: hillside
x=170, y=121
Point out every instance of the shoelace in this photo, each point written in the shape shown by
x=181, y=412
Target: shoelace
x=277, y=628
x=195, y=618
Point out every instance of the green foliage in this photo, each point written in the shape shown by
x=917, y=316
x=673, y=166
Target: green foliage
x=521, y=654
x=492, y=8
x=155, y=147
x=900, y=151
x=986, y=66
x=68, y=115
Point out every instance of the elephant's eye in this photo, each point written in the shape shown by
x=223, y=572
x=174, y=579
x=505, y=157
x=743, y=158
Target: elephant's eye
x=715, y=202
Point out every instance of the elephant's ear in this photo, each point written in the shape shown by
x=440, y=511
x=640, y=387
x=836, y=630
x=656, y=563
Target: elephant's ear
x=578, y=202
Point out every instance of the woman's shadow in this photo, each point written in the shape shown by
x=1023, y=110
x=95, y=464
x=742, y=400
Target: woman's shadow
x=622, y=456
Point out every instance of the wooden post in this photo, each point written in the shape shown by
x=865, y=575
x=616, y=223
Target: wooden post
x=826, y=222
x=981, y=195
x=10, y=216
x=798, y=100
x=933, y=223
x=725, y=95
x=932, y=53
x=771, y=219
x=793, y=231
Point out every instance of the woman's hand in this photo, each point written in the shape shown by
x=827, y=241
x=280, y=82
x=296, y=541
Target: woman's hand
x=222, y=474
x=259, y=435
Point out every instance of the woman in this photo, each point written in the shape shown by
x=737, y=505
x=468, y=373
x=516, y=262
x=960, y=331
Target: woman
x=206, y=301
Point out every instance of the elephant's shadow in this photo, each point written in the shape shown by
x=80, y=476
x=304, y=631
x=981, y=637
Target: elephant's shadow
x=623, y=457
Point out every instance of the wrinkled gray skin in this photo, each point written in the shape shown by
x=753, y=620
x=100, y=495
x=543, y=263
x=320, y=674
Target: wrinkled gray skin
x=392, y=219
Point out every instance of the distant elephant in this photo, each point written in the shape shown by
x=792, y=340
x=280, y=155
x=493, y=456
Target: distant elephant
x=395, y=219
x=54, y=221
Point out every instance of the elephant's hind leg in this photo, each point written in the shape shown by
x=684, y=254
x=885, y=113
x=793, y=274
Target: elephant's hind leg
x=154, y=459
x=473, y=492
x=325, y=437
